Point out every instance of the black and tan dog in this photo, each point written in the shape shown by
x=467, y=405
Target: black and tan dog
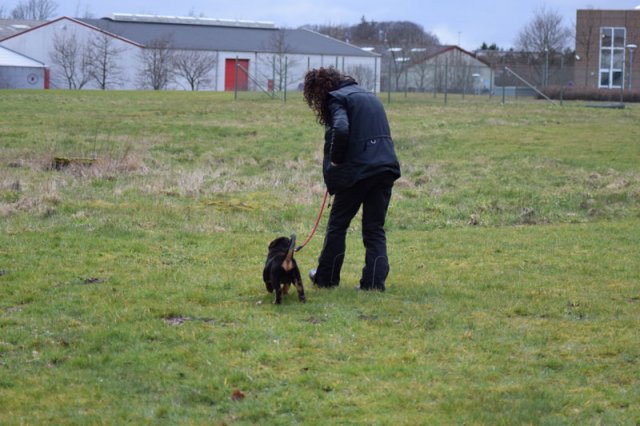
x=281, y=269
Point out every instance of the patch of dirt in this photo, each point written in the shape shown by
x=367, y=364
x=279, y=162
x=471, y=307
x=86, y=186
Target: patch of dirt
x=177, y=320
x=90, y=280
x=314, y=320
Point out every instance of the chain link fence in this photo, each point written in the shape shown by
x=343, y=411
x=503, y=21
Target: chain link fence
x=282, y=76
x=507, y=78
x=503, y=77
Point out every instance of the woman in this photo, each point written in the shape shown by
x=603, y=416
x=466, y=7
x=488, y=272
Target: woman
x=359, y=167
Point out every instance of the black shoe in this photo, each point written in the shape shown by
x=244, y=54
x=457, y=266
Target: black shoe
x=361, y=288
x=313, y=277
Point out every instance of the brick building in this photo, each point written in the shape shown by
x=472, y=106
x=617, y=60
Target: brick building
x=605, y=52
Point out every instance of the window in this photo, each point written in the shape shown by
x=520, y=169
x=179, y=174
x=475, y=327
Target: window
x=612, y=51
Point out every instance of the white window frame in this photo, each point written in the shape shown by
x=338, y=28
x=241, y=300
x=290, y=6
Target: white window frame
x=607, y=64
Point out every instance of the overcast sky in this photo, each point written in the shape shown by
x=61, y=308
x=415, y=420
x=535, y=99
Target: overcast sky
x=464, y=22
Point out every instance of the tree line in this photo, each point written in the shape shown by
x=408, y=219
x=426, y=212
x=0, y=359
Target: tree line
x=30, y=10
x=545, y=30
x=379, y=35
x=401, y=44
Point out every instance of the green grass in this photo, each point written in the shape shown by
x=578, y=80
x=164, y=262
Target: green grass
x=130, y=291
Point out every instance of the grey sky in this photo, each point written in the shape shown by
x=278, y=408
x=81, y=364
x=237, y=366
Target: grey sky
x=465, y=21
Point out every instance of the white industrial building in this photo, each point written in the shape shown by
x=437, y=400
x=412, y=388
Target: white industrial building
x=244, y=55
x=438, y=67
x=21, y=72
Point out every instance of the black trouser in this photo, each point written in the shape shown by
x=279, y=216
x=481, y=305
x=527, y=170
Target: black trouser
x=373, y=194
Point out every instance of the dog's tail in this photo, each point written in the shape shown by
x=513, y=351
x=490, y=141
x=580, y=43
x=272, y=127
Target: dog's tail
x=287, y=265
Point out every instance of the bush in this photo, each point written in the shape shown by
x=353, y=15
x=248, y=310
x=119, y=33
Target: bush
x=574, y=93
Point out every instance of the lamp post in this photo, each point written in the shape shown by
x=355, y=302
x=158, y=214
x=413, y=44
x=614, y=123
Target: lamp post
x=393, y=51
x=392, y=63
x=631, y=47
x=546, y=66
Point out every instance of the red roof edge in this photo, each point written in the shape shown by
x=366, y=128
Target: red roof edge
x=75, y=21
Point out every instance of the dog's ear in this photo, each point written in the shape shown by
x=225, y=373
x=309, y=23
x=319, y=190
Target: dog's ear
x=279, y=242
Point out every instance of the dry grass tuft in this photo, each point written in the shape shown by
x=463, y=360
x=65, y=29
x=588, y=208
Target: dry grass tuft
x=41, y=204
x=109, y=168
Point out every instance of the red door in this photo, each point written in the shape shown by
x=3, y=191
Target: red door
x=239, y=77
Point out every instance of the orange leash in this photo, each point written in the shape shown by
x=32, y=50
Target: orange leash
x=313, y=231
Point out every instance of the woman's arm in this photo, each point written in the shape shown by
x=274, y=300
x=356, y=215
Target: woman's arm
x=340, y=129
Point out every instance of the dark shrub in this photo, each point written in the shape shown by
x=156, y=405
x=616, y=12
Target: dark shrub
x=573, y=93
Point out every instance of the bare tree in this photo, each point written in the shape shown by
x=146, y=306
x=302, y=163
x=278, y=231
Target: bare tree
x=105, y=64
x=3, y=12
x=543, y=36
x=34, y=9
x=544, y=31
x=195, y=67
x=280, y=62
x=401, y=38
x=83, y=11
x=459, y=73
x=363, y=75
x=398, y=65
x=422, y=71
x=157, y=64
x=73, y=59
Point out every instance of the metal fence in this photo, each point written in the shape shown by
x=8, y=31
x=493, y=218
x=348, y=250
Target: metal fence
x=279, y=76
x=438, y=78
x=524, y=78
x=507, y=76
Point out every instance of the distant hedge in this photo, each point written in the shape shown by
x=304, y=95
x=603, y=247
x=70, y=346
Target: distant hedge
x=591, y=94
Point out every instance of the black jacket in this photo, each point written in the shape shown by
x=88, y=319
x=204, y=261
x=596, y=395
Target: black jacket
x=358, y=142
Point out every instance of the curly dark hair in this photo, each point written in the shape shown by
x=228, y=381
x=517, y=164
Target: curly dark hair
x=317, y=85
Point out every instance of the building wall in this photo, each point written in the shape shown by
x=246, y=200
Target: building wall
x=22, y=77
x=589, y=25
x=39, y=44
x=266, y=67
x=459, y=70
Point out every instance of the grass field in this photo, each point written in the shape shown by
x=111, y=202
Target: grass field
x=131, y=292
